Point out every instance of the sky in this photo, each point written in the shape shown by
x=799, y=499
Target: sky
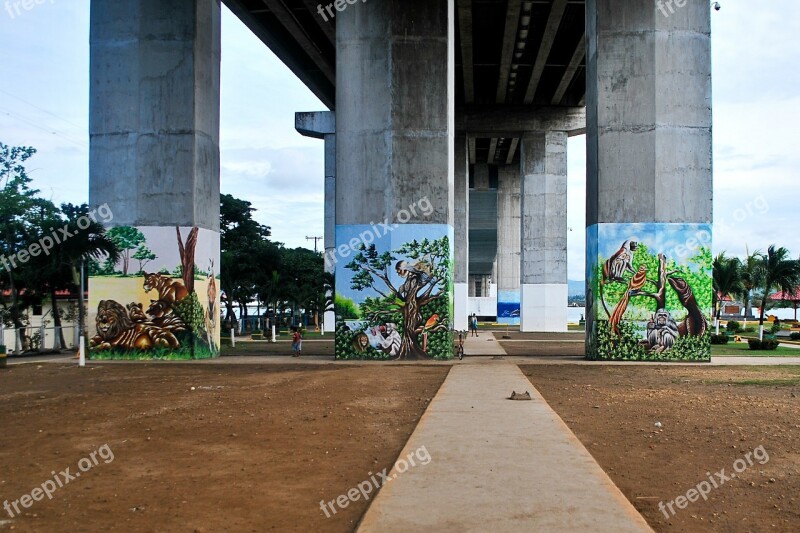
x=44, y=97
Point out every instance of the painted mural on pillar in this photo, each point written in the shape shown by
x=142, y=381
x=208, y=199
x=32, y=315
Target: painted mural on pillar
x=649, y=291
x=508, y=305
x=160, y=300
x=394, y=293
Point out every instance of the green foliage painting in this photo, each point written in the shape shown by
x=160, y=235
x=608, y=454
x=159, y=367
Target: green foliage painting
x=650, y=291
x=396, y=302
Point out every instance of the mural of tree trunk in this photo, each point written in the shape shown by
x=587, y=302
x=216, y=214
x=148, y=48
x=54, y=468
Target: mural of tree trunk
x=187, y=256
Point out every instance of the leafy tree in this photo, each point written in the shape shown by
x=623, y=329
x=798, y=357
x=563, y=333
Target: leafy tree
x=60, y=269
x=20, y=212
x=126, y=239
x=144, y=255
x=248, y=257
x=777, y=271
x=727, y=277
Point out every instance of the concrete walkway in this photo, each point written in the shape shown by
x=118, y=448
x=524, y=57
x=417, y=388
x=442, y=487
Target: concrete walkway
x=497, y=465
x=483, y=344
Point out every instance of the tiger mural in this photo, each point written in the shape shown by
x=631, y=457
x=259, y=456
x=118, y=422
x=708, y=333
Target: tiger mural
x=116, y=329
x=169, y=292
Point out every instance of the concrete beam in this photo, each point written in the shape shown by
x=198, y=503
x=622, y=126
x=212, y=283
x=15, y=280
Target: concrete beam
x=512, y=150
x=509, y=42
x=294, y=57
x=316, y=124
x=514, y=120
x=572, y=69
x=327, y=27
x=549, y=37
x=492, y=150
x=465, y=28
x=298, y=33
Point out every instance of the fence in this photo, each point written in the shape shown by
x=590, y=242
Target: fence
x=39, y=338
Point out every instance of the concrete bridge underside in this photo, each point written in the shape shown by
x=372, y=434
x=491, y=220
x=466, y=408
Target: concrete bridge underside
x=466, y=102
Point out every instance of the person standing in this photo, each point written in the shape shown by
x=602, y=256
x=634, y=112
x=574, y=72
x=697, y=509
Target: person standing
x=297, y=342
x=473, y=324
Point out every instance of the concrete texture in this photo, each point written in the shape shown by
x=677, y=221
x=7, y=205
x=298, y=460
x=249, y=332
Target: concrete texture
x=648, y=101
x=514, y=120
x=497, y=465
x=543, y=165
x=154, y=111
x=394, y=110
x=461, y=232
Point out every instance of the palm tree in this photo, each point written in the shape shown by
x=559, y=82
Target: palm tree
x=60, y=269
x=750, y=278
x=777, y=272
x=727, y=280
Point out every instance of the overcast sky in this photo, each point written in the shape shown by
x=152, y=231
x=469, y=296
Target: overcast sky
x=44, y=95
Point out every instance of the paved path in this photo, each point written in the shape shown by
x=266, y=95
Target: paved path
x=497, y=465
x=483, y=344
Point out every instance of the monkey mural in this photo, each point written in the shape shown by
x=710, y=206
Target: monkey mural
x=662, y=331
x=620, y=262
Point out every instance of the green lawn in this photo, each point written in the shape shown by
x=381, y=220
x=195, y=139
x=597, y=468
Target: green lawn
x=743, y=350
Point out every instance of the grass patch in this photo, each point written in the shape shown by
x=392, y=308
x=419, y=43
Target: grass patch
x=742, y=350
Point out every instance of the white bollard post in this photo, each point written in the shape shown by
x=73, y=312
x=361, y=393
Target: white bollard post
x=273, y=334
x=81, y=352
x=42, y=333
x=233, y=339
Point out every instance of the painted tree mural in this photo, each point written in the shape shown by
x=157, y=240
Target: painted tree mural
x=418, y=305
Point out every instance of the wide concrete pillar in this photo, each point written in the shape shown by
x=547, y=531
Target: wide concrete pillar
x=543, y=262
x=154, y=160
x=394, y=193
x=322, y=125
x=506, y=275
x=461, y=232
x=649, y=176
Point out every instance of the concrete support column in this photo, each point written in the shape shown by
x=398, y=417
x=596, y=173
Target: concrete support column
x=543, y=165
x=322, y=125
x=649, y=164
x=394, y=163
x=461, y=231
x=154, y=160
x=506, y=275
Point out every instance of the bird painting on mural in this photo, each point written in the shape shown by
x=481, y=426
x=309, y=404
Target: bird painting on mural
x=636, y=283
x=431, y=322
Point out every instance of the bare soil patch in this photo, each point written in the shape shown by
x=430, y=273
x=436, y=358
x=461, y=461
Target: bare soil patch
x=251, y=448
x=543, y=344
x=710, y=416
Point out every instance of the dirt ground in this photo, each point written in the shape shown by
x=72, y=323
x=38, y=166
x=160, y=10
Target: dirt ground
x=710, y=416
x=251, y=448
x=544, y=344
